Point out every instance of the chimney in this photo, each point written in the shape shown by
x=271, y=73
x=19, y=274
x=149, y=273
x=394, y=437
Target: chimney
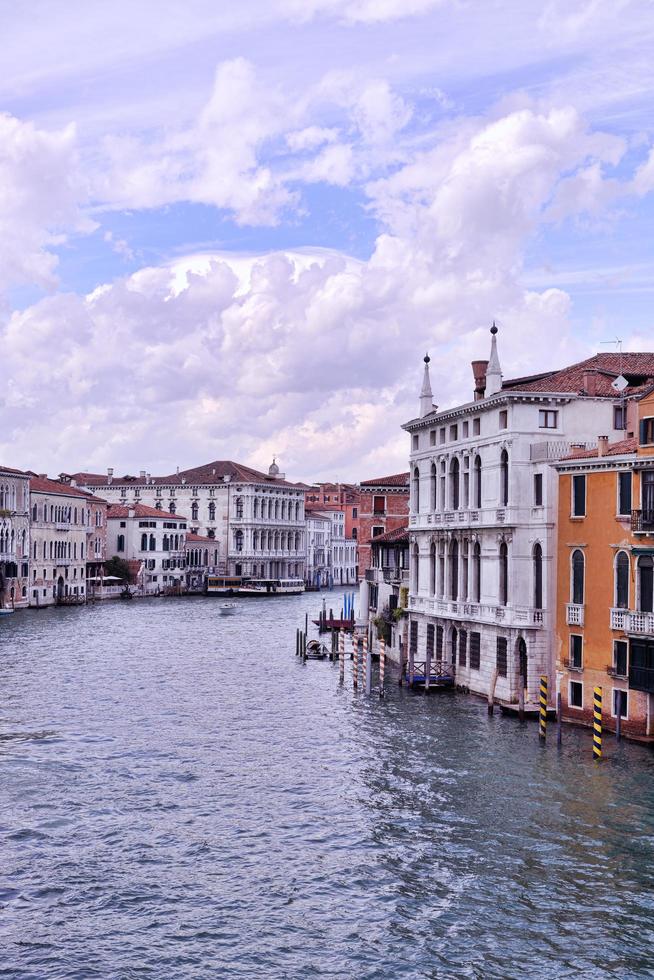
x=131, y=512
x=110, y=474
x=590, y=383
x=142, y=474
x=479, y=372
x=602, y=445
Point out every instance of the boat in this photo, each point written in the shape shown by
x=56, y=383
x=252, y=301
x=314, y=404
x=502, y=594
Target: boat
x=228, y=608
x=127, y=593
x=316, y=650
x=6, y=612
x=224, y=584
x=272, y=586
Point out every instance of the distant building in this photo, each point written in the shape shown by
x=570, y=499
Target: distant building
x=385, y=587
x=256, y=519
x=60, y=523
x=483, y=512
x=14, y=538
x=605, y=597
x=331, y=557
x=383, y=506
x=201, y=560
x=153, y=543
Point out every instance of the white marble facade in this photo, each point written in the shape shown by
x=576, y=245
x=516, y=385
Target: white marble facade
x=14, y=538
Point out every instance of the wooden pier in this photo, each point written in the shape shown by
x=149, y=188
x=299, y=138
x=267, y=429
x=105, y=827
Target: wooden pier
x=436, y=675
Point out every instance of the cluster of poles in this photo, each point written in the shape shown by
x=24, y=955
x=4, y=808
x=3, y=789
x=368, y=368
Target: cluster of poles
x=597, y=718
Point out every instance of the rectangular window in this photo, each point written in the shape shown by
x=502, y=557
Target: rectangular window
x=538, y=489
x=439, y=642
x=576, y=694
x=501, y=656
x=463, y=647
x=376, y=531
x=547, y=419
x=576, y=652
x=415, y=441
x=430, y=641
x=355, y=512
x=466, y=427
x=620, y=658
x=432, y=437
x=620, y=702
x=504, y=419
x=441, y=434
x=578, y=496
x=413, y=637
x=646, y=432
x=379, y=505
x=476, y=427
x=624, y=494
x=454, y=433
x=619, y=417
x=475, y=651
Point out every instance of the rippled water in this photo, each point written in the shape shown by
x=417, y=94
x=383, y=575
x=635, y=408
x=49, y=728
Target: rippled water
x=179, y=797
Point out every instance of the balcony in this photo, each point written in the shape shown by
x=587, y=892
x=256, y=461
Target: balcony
x=508, y=616
x=62, y=526
x=617, y=671
x=393, y=574
x=641, y=623
x=618, y=617
x=642, y=521
x=574, y=614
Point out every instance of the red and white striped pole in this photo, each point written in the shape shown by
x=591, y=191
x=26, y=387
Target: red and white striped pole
x=382, y=665
x=341, y=656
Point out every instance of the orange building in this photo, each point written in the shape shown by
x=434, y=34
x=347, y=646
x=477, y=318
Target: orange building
x=605, y=555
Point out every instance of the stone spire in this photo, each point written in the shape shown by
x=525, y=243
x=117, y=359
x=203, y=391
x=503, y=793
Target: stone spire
x=426, y=401
x=494, y=371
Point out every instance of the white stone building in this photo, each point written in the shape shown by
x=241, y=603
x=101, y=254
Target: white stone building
x=331, y=557
x=256, y=519
x=14, y=538
x=482, y=517
x=152, y=541
x=60, y=522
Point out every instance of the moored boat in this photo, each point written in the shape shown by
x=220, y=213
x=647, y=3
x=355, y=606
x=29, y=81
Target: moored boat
x=272, y=586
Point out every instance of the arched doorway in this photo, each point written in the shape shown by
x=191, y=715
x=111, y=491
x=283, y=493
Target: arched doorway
x=522, y=664
x=60, y=587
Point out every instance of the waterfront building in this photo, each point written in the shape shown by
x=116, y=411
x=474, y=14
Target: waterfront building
x=318, y=538
x=338, y=496
x=605, y=557
x=256, y=519
x=483, y=512
x=60, y=532
x=151, y=541
x=383, y=506
x=201, y=554
x=384, y=591
x=14, y=538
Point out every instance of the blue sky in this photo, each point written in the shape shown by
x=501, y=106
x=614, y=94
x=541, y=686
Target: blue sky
x=235, y=232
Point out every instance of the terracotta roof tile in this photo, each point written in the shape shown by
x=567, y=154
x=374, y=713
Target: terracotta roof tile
x=399, y=535
x=208, y=473
x=397, y=480
x=638, y=369
x=39, y=484
x=615, y=449
x=141, y=510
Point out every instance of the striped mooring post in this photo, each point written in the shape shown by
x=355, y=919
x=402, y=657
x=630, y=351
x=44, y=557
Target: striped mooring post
x=542, y=719
x=382, y=665
x=367, y=650
x=341, y=656
x=364, y=662
x=597, y=723
x=355, y=661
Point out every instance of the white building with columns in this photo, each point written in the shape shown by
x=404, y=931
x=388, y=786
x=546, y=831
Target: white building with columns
x=482, y=516
x=256, y=519
x=14, y=538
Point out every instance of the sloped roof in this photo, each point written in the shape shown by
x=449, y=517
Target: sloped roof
x=200, y=539
x=614, y=449
x=10, y=469
x=397, y=480
x=399, y=535
x=638, y=369
x=208, y=473
x=141, y=510
x=40, y=484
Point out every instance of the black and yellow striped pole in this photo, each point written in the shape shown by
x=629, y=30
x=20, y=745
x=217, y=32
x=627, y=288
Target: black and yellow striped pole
x=597, y=723
x=542, y=718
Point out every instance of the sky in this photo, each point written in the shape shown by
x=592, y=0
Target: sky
x=232, y=231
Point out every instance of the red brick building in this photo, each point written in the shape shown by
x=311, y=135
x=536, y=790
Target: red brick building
x=383, y=506
x=337, y=496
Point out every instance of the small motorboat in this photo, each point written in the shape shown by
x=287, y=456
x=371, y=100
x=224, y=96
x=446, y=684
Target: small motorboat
x=316, y=650
x=6, y=612
x=228, y=608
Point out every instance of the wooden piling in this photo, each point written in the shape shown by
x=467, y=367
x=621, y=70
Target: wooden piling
x=559, y=720
x=427, y=669
x=618, y=720
x=542, y=717
x=355, y=661
x=521, y=701
x=367, y=653
x=597, y=723
x=382, y=665
x=491, y=692
x=411, y=666
x=341, y=656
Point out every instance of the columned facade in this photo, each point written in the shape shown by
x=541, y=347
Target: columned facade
x=14, y=538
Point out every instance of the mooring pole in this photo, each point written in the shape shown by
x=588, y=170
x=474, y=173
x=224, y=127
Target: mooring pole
x=367, y=652
x=297, y=643
x=411, y=666
x=382, y=665
x=306, y=623
x=427, y=668
x=521, y=700
x=542, y=717
x=341, y=657
x=355, y=661
x=597, y=723
x=491, y=692
x=559, y=720
x=618, y=718
x=364, y=661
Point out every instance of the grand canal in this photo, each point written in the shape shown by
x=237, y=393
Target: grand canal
x=179, y=797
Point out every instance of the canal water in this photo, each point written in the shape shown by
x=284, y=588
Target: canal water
x=179, y=797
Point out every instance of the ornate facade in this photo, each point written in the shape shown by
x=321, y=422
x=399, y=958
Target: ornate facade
x=14, y=538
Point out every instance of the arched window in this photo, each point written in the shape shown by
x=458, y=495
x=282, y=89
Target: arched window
x=144, y=542
x=212, y=511
x=238, y=540
x=504, y=478
x=441, y=569
x=255, y=540
x=153, y=544
x=277, y=510
x=464, y=569
x=416, y=490
x=443, y=497
x=622, y=580
x=432, y=567
x=238, y=507
x=355, y=533
x=646, y=583
x=538, y=576
x=166, y=543
x=577, y=590
x=504, y=574
x=120, y=546
x=454, y=484
x=34, y=512
x=454, y=569
x=256, y=507
x=172, y=507
x=433, y=488
x=477, y=487
x=415, y=569
x=194, y=510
